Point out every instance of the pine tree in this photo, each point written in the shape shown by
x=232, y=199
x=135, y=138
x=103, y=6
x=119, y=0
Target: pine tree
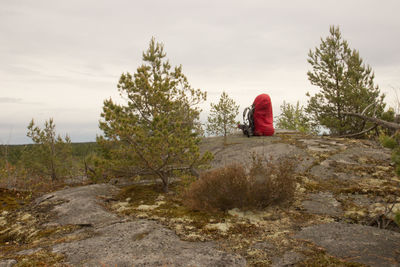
x=50, y=155
x=294, y=118
x=346, y=85
x=154, y=132
x=222, y=117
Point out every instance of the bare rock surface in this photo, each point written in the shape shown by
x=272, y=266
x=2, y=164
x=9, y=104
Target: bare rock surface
x=143, y=243
x=363, y=244
x=118, y=242
x=343, y=165
x=281, y=151
x=321, y=145
x=265, y=147
x=81, y=205
x=290, y=258
x=323, y=203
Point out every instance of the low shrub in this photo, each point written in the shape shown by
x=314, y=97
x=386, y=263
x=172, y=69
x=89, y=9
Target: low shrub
x=397, y=218
x=223, y=188
x=233, y=187
x=387, y=141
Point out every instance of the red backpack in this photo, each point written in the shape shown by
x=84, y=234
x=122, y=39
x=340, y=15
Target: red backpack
x=258, y=119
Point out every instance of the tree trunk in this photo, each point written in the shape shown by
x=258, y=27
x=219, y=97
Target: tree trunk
x=165, y=187
x=53, y=156
x=387, y=124
x=165, y=182
x=53, y=172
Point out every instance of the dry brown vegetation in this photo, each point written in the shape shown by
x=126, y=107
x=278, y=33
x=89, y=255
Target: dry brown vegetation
x=233, y=187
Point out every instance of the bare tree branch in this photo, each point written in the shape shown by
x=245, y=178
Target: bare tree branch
x=390, y=125
x=365, y=109
x=360, y=133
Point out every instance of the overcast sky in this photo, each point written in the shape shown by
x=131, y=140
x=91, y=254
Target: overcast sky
x=61, y=59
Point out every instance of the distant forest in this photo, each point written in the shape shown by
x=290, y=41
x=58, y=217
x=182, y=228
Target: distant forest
x=12, y=153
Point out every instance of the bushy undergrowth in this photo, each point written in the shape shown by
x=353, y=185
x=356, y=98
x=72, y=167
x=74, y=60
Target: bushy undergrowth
x=392, y=142
x=233, y=187
x=387, y=141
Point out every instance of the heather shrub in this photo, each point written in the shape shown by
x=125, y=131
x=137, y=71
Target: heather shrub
x=272, y=182
x=220, y=189
x=233, y=187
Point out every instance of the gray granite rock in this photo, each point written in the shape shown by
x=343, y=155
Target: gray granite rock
x=322, y=203
x=357, y=243
x=290, y=258
x=143, y=243
x=80, y=205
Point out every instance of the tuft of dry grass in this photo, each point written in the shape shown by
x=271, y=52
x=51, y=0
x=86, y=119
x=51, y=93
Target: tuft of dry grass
x=233, y=187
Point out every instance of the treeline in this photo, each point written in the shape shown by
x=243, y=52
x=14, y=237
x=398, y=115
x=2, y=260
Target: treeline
x=13, y=153
x=46, y=163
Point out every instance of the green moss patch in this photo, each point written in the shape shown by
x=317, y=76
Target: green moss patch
x=139, y=194
x=168, y=206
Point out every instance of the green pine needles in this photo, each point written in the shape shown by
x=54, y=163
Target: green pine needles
x=222, y=118
x=51, y=155
x=346, y=85
x=154, y=132
x=293, y=117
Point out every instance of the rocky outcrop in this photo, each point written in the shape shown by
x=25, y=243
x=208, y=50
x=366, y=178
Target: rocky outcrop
x=343, y=188
x=363, y=244
x=143, y=243
x=115, y=241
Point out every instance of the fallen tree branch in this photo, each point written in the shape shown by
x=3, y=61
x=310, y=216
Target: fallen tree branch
x=390, y=125
x=360, y=133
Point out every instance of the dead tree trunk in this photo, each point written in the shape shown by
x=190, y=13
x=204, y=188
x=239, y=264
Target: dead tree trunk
x=386, y=124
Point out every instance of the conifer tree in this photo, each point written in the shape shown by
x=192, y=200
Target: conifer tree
x=293, y=117
x=346, y=85
x=50, y=155
x=154, y=131
x=222, y=117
